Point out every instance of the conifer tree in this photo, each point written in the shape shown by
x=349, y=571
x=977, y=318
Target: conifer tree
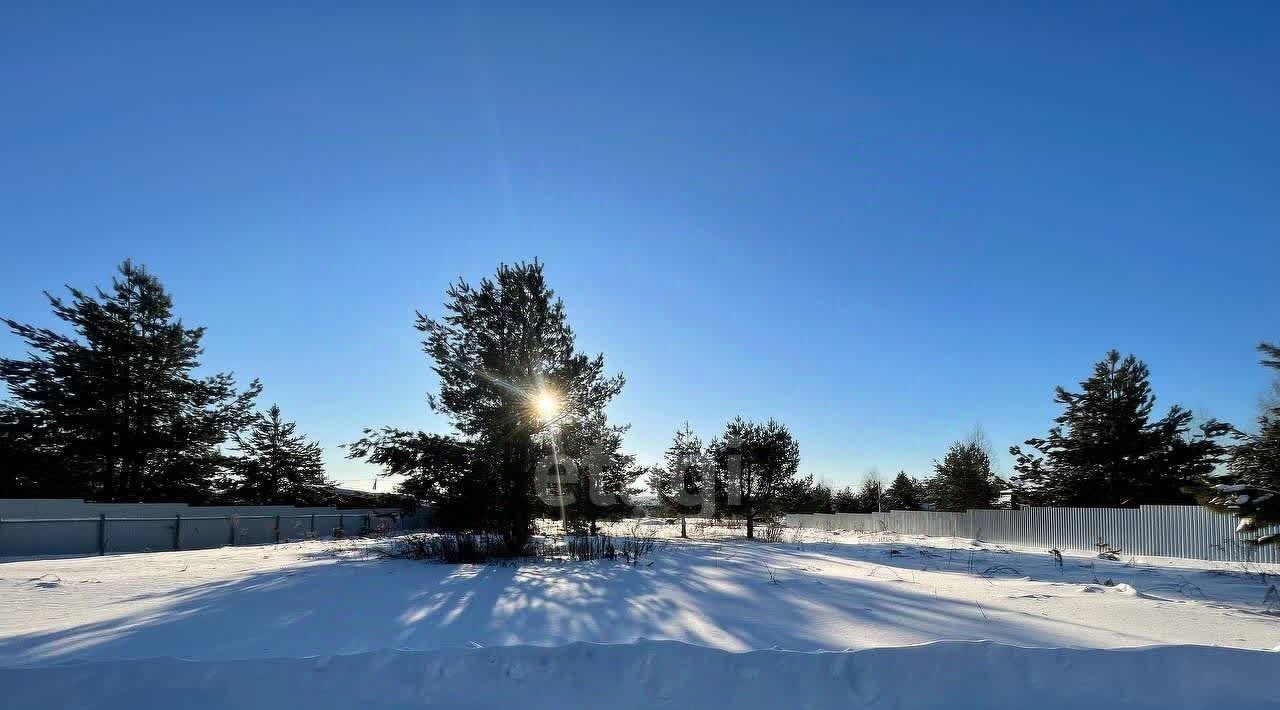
x=1256, y=459
x=678, y=482
x=606, y=474
x=902, y=494
x=509, y=375
x=277, y=465
x=845, y=500
x=757, y=462
x=115, y=412
x=870, y=496
x=442, y=471
x=1250, y=487
x=963, y=478
x=27, y=470
x=804, y=495
x=819, y=497
x=1105, y=450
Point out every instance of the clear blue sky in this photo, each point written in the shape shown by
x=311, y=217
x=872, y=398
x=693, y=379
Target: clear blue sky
x=880, y=225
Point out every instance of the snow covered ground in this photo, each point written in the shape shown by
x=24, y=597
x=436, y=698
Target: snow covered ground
x=666, y=674
x=297, y=616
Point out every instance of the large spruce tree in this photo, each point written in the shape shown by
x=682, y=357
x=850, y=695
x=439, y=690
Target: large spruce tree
x=1105, y=450
x=277, y=465
x=503, y=351
x=115, y=412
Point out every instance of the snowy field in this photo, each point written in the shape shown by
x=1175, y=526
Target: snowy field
x=327, y=624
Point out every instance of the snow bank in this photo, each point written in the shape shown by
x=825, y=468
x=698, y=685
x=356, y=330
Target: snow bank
x=656, y=674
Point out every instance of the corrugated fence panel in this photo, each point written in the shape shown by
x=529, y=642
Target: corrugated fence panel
x=58, y=527
x=202, y=532
x=66, y=536
x=1154, y=530
x=140, y=535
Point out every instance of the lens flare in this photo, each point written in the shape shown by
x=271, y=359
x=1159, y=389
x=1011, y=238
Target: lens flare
x=547, y=405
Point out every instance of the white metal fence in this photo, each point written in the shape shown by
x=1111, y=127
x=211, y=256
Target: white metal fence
x=1159, y=530
x=60, y=527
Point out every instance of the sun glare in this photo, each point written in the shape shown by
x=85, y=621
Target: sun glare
x=547, y=405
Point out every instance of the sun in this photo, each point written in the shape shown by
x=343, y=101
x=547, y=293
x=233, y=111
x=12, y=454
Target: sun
x=547, y=405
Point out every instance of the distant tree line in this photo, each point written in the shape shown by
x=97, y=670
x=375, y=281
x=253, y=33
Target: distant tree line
x=963, y=479
x=1108, y=448
x=115, y=411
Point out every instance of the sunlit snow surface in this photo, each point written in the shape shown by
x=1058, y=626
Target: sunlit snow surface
x=327, y=624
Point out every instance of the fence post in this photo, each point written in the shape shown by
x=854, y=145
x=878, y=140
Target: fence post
x=102, y=533
x=177, y=531
x=231, y=528
x=277, y=529
x=313, y=525
x=341, y=527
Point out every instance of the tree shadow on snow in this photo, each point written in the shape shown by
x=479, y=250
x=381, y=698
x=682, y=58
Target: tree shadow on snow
x=736, y=595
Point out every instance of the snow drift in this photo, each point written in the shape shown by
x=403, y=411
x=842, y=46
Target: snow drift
x=664, y=673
